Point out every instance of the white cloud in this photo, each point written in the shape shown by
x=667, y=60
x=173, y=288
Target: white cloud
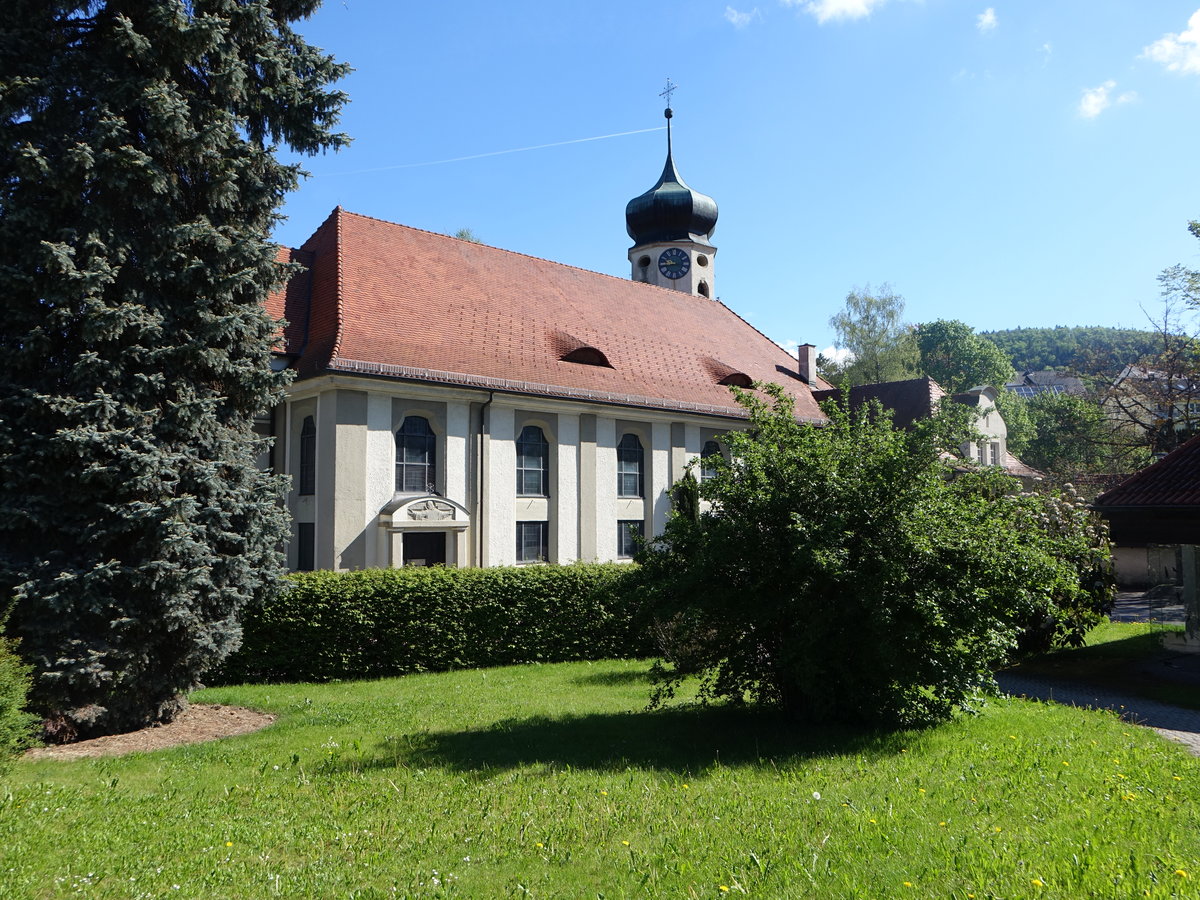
x=837, y=354
x=1047, y=50
x=1178, y=52
x=827, y=10
x=742, y=19
x=1128, y=97
x=1096, y=100
x=986, y=20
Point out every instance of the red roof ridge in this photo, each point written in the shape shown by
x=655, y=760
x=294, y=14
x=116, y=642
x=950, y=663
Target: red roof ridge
x=540, y=259
x=753, y=328
x=336, y=215
x=552, y=262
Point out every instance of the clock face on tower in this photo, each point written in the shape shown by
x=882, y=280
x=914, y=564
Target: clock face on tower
x=674, y=263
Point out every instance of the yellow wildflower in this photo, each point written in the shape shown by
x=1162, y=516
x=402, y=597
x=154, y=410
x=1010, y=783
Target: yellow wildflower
x=1037, y=882
x=1181, y=873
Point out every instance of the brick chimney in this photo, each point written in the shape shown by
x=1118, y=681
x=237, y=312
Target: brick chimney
x=807, y=354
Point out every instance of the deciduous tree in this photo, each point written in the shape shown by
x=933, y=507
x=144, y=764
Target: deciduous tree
x=872, y=328
x=138, y=187
x=957, y=358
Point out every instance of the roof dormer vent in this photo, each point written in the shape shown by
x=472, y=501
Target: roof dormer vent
x=587, y=356
x=569, y=348
x=737, y=379
x=723, y=373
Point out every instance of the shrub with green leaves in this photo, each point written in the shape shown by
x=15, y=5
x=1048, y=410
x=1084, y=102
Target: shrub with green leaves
x=16, y=725
x=382, y=622
x=845, y=572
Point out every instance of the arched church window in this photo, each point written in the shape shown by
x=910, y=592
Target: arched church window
x=533, y=463
x=708, y=460
x=416, y=455
x=308, y=456
x=630, y=470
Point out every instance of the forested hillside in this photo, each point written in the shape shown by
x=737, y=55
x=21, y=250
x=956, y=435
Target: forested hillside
x=1058, y=347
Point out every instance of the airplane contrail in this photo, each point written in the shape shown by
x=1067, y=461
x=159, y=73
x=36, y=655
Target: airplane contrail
x=440, y=162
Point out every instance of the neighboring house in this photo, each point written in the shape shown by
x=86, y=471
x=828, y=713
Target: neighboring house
x=918, y=398
x=1156, y=402
x=1156, y=508
x=456, y=403
x=1046, y=381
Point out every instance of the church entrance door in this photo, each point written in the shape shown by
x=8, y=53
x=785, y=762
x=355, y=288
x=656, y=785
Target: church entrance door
x=425, y=548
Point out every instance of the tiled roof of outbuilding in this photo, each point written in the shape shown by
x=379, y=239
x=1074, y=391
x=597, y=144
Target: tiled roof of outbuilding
x=910, y=401
x=389, y=300
x=1171, y=483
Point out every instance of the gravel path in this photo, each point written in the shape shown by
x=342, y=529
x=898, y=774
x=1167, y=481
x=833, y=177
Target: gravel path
x=1172, y=722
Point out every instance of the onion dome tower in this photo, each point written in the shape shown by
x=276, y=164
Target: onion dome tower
x=671, y=226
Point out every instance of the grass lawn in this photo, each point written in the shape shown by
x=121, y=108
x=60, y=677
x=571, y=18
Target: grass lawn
x=1115, y=656
x=552, y=781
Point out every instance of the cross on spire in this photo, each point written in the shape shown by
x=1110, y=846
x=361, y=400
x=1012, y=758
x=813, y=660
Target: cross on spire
x=670, y=89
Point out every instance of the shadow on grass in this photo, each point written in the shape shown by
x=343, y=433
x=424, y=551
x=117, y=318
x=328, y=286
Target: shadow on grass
x=1134, y=647
x=614, y=679
x=679, y=740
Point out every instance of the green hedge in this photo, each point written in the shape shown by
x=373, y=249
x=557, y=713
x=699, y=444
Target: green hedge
x=16, y=725
x=383, y=622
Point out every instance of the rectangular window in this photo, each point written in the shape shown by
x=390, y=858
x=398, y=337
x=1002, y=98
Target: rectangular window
x=532, y=545
x=994, y=453
x=533, y=463
x=629, y=531
x=630, y=460
x=306, y=547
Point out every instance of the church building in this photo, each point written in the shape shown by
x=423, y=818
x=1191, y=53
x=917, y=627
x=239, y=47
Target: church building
x=459, y=404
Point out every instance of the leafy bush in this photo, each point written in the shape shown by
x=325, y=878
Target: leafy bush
x=16, y=725
x=1062, y=523
x=844, y=573
x=383, y=622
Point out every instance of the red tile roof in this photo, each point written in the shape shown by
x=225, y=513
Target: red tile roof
x=393, y=301
x=1172, y=483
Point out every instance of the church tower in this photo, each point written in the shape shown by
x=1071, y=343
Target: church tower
x=671, y=226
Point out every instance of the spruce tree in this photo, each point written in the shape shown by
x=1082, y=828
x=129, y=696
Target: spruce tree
x=138, y=187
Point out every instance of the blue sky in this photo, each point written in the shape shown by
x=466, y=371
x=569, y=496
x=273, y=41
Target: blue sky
x=1009, y=164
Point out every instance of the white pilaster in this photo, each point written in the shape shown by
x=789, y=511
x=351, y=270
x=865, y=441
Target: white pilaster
x=692, y=448
x=605, y=521
x=380, y=475
x=500, y=488
x=658, y=504
x=458, y=433
x=566, y=495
